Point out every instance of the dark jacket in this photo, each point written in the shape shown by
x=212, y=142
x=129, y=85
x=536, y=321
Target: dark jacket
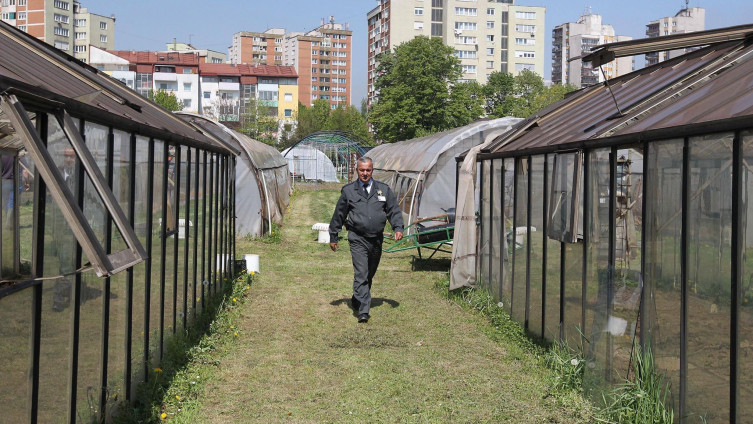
x=365, y=216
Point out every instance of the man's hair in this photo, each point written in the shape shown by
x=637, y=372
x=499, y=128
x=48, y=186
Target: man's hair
x=365, y=159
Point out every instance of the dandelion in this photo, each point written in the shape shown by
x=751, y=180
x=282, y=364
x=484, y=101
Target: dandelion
x=198, y=299
x=232, y=326
x=236, y=334
x=177, y=397
x=574, y=362
x=163, y=416
x=253, y=273
x=248, y=287
x=235, y=300
x=158, y=370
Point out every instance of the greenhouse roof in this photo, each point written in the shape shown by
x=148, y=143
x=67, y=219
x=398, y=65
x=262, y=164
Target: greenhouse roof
x=708, y=90
x=339, y=140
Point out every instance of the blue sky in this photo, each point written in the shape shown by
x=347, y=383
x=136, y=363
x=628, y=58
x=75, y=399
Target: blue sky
x=210, y=24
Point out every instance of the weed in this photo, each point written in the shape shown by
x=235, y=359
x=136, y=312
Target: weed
x=568, y=365
x=644, y=399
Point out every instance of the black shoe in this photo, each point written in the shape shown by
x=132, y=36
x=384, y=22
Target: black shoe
x=355, y=303
x=363, y=318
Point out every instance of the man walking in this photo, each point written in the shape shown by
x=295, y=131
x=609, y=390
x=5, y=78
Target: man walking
x=364, y=207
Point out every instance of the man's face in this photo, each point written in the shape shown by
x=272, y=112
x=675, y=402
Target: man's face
x=364, y=171
x=69, y=159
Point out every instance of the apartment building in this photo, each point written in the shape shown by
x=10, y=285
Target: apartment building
x=205, y=55
x=321, y=58
x=488, y=36
x=63, y=24
x=219, y=90
x=572, y=40
x=689, y=19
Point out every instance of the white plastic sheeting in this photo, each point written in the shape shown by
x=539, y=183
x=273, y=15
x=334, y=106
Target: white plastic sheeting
x=422, y=171
x=262, y=179
x=310, y=164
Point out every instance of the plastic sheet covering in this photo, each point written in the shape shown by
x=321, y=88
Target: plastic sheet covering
x=261, y=179
x=463, y=268
x=310, y=164
x=430, y=162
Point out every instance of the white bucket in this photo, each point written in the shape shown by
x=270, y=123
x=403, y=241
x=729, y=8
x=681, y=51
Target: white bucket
x=252, y=262
x=323, y=229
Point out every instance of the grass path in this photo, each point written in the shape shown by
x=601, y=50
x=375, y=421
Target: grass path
x=301, y=357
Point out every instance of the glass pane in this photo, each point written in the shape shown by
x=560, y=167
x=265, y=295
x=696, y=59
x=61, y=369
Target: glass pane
x=518, y=240
x=496, y=229
x=745, y=361
x=59, y=262
x=155, y=295
x=485, y=242
x=117, y=321
x=180, y=201
x=26, y=196
x=553, y=252
x=15, y=333
x=573, y=324
x=138, y=353
x=170, y=260
x=663, y=243
x=89, y=348
x=709, y=285
x=562, y=196
x=94, y=209
x=507, y=252
x=537, y=246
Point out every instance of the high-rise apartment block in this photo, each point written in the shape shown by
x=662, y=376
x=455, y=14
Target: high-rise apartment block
x=690, y=19
x=321, y=57
x=572, y=40
x=487, y=36
x=61, y=23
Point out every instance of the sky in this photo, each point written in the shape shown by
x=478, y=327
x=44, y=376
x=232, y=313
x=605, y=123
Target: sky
x=210, y=24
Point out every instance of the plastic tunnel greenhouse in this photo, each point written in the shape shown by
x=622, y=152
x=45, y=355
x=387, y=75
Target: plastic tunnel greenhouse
x=325, y=156
x=261, y=176
x=423, y=171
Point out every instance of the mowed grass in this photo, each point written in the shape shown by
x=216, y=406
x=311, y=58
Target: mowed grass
x=300, y=356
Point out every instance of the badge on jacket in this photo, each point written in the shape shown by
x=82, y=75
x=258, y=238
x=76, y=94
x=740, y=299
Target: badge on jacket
x=380, y=197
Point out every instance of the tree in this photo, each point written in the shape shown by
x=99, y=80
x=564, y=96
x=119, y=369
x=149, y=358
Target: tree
x=166, y=99
x=415, y=84
x=260, y=122
x=498, y=88
x=321, y=117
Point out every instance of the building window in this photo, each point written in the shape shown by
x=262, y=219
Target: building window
x=490, y=51
x=521, y=66
x=418, y=11
x=470, y=26
x=490, y=11
x=103, y=25
x=288, y=113
x=467, y=40
x=469, y=69
x=489, y=24
x=525, y=15
x=490, y=38
x=102, y=38
x=525, y=28
x=80, y=36
x=64, y=5
x=186, y=86
x=61, y=18
x=466, y=11
x=489, y=64
x=465, y=54
x=288, y=97
x=21, y=16
x=207, y=94
x=525, y=41
x=525, y=54
x=80, y=49
x=62, y=45
x=315, y=61
x=187, y=71
x=60, y=31
x=418, y=25
x=79, y=22
x=22, y=28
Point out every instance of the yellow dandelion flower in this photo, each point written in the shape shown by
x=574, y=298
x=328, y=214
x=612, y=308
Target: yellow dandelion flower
x=232, y=326
x=253, y=273
x=236, y=334
x=177, y=397
x=235, y=300
x=198, y=299
x=163, y=416
x=158, y=370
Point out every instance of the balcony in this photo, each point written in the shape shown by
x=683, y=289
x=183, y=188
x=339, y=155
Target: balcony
x=229, y=86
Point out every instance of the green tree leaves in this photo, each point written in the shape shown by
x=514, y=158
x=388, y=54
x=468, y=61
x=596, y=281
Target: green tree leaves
x=321, y=117
x=166, y=99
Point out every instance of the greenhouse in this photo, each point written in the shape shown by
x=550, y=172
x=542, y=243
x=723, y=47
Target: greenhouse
x=422, y=171
x=262, y=179
x=620, y=214
x=325, y=156
x=113, y=212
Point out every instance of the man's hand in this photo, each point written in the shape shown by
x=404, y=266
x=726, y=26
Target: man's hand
x=334, y=246
x=398, y=236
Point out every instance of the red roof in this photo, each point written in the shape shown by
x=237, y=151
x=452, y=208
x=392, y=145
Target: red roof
x=156, y=58
x=225, y=69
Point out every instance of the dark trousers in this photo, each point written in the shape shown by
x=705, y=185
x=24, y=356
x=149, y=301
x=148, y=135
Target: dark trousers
x=366, y=253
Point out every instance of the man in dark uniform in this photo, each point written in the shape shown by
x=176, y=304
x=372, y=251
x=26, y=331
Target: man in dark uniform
x=364, y=207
